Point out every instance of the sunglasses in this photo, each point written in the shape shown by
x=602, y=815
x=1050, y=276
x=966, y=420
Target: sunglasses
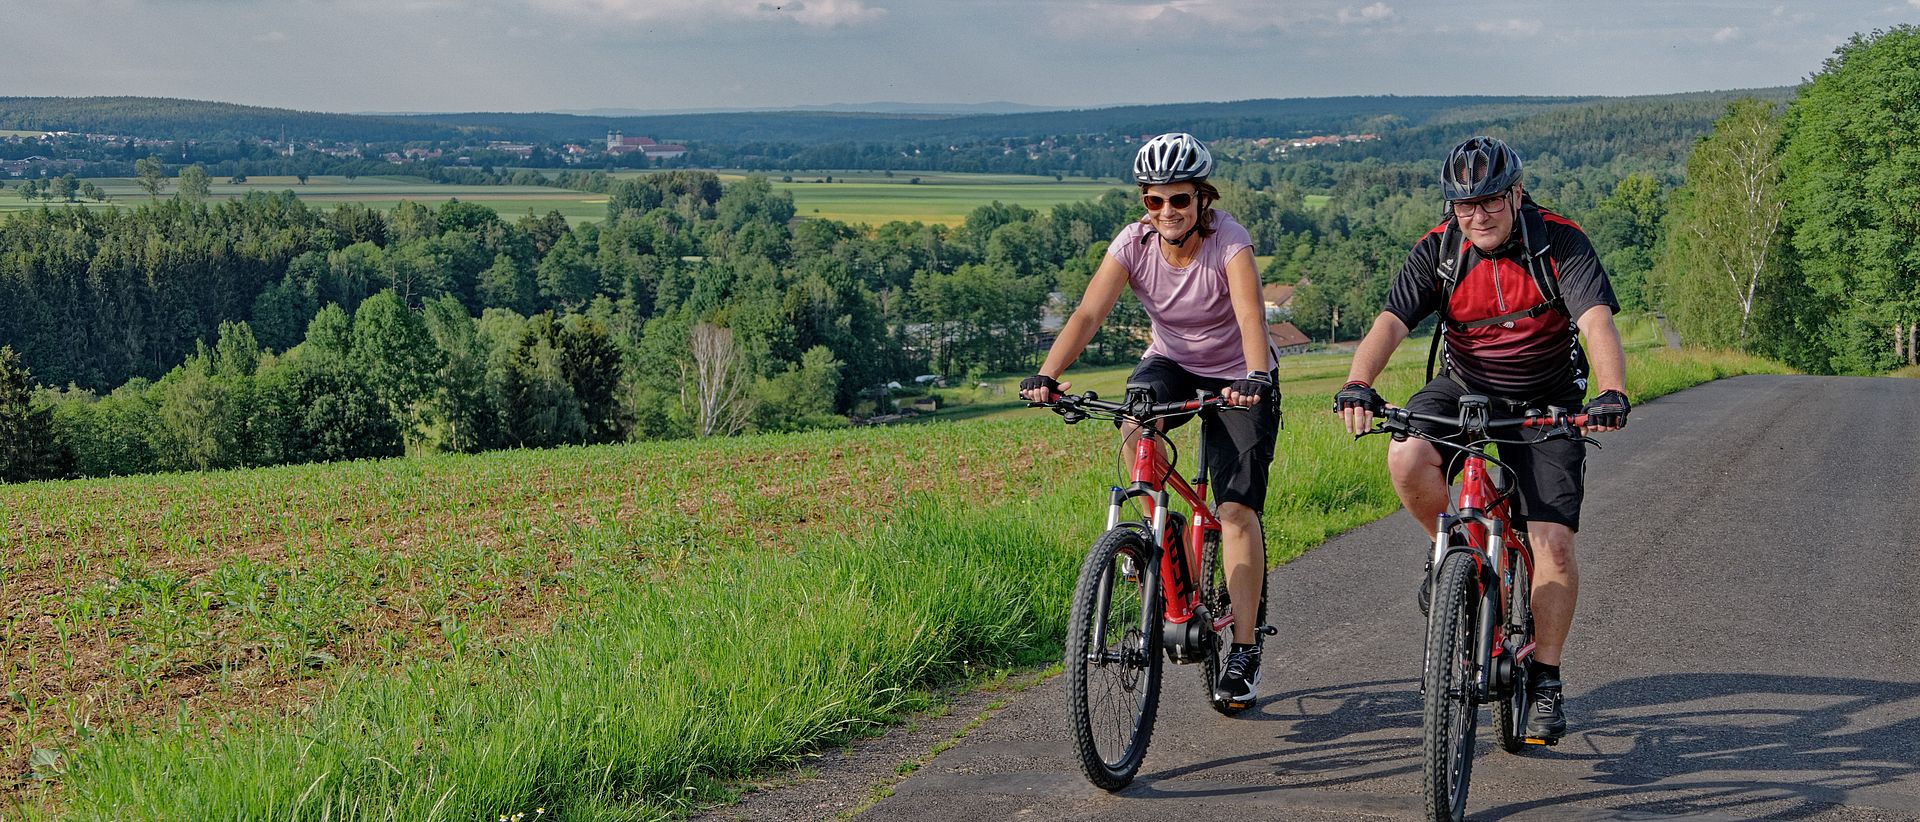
x=1154, y=202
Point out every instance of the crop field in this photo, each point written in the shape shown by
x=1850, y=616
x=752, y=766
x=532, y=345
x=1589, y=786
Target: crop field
x=874, y=198
x=854, y=197
x=614, y=632
x=378, y=192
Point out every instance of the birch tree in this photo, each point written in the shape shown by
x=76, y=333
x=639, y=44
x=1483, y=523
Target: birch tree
x=1724, y=241
x=714, y=386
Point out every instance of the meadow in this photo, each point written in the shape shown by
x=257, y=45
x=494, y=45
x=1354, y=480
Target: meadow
x=852, y=197
x=619, y=632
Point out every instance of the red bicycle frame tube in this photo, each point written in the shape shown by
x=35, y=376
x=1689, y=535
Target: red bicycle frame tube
x=1150, y=470
x=1477, y=493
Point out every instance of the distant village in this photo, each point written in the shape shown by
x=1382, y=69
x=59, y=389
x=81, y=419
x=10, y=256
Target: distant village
x=42, y=165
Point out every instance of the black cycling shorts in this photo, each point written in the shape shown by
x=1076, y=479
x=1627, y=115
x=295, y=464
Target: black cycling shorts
x=1240, y=444
x=1551, y=476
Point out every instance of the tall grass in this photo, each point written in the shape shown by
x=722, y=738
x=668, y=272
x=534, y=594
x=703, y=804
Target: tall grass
x=642, y=707
x=689, y=672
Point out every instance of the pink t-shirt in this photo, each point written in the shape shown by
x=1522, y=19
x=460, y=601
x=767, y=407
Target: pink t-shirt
x=1192, y=313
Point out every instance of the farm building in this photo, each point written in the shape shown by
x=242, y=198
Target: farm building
x=618, y=144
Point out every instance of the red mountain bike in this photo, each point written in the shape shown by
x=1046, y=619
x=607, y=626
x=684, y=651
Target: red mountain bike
x=1148, y=586
x=1480, y=621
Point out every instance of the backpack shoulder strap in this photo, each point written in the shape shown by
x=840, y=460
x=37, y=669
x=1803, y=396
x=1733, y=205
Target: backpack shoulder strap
x=1533, y=232
x=1452, y=255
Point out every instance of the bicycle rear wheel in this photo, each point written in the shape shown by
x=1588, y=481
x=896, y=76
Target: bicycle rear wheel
x=1452, y=708
x=1513, y=709
x=1113, y=657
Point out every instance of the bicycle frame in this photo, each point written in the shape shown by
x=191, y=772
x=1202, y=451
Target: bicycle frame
x=1152, y=480
x=1485, y=516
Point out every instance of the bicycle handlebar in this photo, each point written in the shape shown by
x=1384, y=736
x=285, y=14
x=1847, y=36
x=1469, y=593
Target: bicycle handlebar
x=1077, y=407
x=1560, y=419
x=1474, y=422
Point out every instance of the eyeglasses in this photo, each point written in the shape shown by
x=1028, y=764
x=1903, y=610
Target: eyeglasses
x=1154, y=201
x=1489, y=206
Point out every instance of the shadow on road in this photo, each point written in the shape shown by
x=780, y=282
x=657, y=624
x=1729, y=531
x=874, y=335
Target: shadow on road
x=1721, y=743
x=1732, y=745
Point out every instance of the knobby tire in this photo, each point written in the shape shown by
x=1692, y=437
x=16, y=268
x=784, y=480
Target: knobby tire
x=1111, y=701
x=1451, y=707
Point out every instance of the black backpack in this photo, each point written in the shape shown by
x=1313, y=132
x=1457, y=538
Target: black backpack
x=1539, y=262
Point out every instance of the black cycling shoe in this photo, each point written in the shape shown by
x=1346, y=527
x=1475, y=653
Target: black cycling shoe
x=1546, y=717
x=1241, y=676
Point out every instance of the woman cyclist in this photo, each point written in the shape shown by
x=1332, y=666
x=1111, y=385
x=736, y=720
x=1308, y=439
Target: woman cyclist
x=1191, y=266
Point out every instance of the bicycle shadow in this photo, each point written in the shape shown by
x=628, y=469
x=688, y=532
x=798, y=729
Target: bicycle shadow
x=1342, y=734
x=1720, y=743
x=1778, y=747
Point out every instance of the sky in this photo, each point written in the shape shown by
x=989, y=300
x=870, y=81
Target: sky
x=549, y=55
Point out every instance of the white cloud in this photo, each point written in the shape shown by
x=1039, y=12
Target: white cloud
x=1374, y=13
x=1523, y=28
x=1727, y=35
x=813, y=13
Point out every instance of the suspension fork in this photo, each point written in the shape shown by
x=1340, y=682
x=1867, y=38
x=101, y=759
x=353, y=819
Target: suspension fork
x=1103, y=604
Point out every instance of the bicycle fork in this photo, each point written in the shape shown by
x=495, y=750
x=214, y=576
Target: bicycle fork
x=1487, y=627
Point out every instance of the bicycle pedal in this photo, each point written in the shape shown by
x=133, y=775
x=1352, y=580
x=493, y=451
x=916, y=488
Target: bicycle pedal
x=1534, y=740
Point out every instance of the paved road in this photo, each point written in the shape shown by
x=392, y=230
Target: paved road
x=1745, y=649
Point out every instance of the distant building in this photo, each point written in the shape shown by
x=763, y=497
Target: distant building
x=617, y=145
x=1278, y=298
x=1287, y=339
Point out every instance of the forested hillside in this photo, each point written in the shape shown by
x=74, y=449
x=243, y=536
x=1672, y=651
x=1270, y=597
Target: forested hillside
x=182, y=334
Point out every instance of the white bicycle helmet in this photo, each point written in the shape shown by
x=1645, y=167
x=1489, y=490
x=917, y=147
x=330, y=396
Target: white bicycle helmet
x=1171, y=158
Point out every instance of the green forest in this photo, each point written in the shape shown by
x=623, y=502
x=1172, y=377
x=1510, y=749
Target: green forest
x=185, y=335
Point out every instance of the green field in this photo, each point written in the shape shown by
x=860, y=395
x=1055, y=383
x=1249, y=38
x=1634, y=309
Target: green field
x=854, y=197
x=873, y=198
x=614, y=632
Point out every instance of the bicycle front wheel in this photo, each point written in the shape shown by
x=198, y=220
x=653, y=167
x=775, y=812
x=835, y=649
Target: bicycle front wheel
x=1113, y=657
x=1452, y=707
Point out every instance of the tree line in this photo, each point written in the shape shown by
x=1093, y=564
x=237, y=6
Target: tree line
x=1796, y=234
x=260, y=331
x=188, y=334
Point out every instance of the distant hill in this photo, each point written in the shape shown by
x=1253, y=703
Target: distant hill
x=1593, y=128
x=1244, y=118
x=164, y=118
x=994, y=107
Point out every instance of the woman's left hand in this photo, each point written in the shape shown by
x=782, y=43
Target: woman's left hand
x=1250, y=389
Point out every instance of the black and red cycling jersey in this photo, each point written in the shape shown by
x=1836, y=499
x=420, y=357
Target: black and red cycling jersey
x=1524, y=358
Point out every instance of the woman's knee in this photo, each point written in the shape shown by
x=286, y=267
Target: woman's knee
x=1237, y=516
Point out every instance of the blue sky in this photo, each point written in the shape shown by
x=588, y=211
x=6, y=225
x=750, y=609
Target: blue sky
x=535, y=55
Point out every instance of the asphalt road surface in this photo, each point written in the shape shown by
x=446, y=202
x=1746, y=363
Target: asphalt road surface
x=1745, y=648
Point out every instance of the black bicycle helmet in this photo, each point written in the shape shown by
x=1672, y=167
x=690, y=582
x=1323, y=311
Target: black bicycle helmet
x=1171, y=158
x=1478, y=167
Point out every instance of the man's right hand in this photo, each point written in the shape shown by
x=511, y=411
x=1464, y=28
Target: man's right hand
x=1356, y=404
x=1042, y=388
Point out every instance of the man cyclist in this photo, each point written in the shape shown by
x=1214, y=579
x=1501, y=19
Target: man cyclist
x=1515, y=286
x=1191, y=265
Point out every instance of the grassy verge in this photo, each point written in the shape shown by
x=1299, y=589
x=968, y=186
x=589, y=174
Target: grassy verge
x=676, y=672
